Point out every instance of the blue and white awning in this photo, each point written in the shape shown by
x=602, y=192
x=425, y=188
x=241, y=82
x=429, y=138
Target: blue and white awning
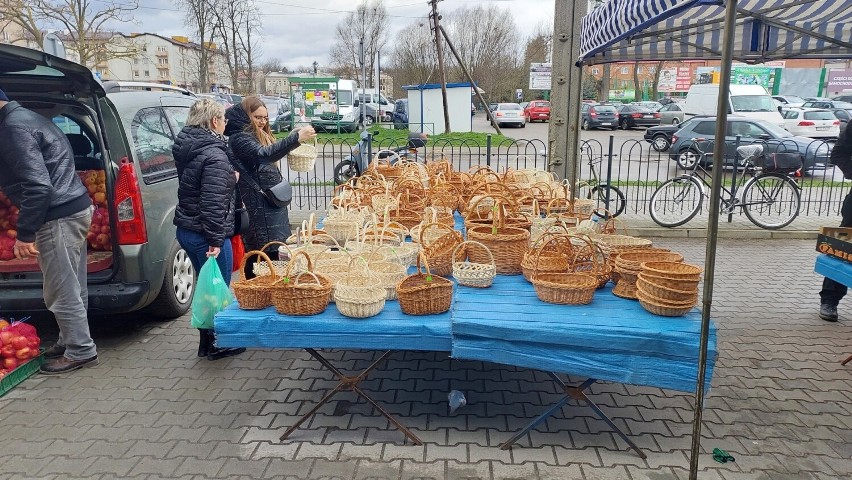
x=631, y=30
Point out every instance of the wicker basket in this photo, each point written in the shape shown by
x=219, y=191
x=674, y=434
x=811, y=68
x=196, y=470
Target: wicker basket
x=663, y=309
x=404, y=254
x=674, y=284
x=672, y=270
x=385, y=167
x=506, y=244
x=565, y=288
x=669, y=295
x=424, y=293
x=303, y=157
x=591, y=260
x=479, y=275
x=356, y=294
x=438, y=250
x=278, y=266
x=552, y=253
x=343, y=223
x=388, y=275
x=295, y=296
x=255, y=293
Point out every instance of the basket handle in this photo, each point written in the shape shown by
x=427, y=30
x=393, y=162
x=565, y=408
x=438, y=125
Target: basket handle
x=262, y=255
x=428, y=225
x=538, y=251
x=289, y=271
x=471, y=242
x=296, y=279
x=392, y=249
x=425, y=262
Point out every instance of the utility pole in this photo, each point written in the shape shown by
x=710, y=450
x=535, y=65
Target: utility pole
x=436, y=26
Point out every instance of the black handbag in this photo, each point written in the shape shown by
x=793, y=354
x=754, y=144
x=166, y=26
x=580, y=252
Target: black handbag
x=241, y=220
x=278, y=196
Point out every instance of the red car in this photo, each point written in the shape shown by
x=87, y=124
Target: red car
x=537, y=110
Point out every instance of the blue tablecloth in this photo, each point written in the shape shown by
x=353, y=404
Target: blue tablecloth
x=834, y=268
x=611, y=339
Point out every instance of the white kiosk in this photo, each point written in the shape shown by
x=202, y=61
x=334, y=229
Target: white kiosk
x=426, y=109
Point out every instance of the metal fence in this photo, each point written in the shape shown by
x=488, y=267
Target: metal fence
x=633, y=166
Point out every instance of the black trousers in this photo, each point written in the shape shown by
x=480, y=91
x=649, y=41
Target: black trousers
x=832, y=291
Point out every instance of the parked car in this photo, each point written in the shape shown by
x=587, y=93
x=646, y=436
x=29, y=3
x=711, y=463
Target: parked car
x=217, y=98
x=400, y=114
x=844, y=115
x=671, y=114
x=649, y=104
x=233, y=98
x=598, y=116
x=631, y=116
x=537, y=110
x=827, y=104
x=789, y=100
x=750, y=131
x=660, y=137
x=509, y=114
x=127, y=134
x=811, y=122
x=492, y=106
x=844, y=97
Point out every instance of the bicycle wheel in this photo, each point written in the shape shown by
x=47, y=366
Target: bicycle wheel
x=676, y=201
x=771, y=201
x=617, y=201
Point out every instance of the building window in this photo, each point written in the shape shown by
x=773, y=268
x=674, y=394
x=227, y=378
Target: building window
x=164, y=61
x=147, y=74
x=596, y=71
x=161, y=49
x=624, y=70
x=135, y=73
x=639, y=70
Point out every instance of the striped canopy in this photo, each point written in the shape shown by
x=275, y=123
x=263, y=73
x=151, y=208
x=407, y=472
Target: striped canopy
x=631, y=30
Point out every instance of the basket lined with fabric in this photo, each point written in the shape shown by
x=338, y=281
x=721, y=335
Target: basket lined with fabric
x=470, y=274
x=438, y=249
x=424, y=293
x=255, y=293
x=507, y=244
x=303, y=157
x=357, y=293
x=285, y=253
x=305, y=293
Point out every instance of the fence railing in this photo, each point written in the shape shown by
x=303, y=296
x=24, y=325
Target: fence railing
x=634, y=166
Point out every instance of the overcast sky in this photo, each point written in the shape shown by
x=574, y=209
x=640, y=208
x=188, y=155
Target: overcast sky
x=301, y=31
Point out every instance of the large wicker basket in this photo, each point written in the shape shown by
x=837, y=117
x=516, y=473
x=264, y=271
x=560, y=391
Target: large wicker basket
x=255, y=293
x=303, y=157
x=424, y=293
x=552, y=253
x=307, y=293
x=563, y=288
x=470, y=274
x=357, y=295
x=507, y=244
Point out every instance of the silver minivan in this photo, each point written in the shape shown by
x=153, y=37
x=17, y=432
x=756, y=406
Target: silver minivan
x=128, y=136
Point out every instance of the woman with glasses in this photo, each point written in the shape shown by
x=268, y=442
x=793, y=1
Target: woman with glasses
x=204, y=215
x=258, y=157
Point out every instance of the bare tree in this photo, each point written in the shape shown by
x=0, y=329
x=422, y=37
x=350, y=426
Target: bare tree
x=200, y=16
x=23, y=15
x=538, y=48
x=413, y=60
x=656, y=81
x=273, y=64
x=369, y=22
x=249, y=43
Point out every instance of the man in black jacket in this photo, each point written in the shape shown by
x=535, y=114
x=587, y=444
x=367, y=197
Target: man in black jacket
x=832, y=292
x=55, y=214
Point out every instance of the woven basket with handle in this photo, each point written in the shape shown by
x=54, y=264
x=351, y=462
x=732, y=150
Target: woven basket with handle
x=306, y=293
x=506, y=244
x=255, y=293
x=438, y=249
x=564, y=288
x=303, y=157
x=470, y=274
x=357, y=294
x=424, y=293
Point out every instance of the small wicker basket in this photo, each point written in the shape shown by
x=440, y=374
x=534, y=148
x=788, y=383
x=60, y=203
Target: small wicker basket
x=291, y=296
x=255, y=293
x=478, y=275
x=563, y=288
x=439, y=249
x=424, y=293
x=303, y=157
x=357, y=295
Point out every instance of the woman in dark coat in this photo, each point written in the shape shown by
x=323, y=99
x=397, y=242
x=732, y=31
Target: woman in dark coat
x=204, y=215
x=259, y=157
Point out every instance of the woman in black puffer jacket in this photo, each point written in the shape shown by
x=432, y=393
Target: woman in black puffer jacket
x=204, y=215
x=259, y=156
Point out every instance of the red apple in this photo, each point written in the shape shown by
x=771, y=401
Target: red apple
x=10, y=363
x=6, y=337
x=7, y=351
x=19, y=342
x=34, y=343
x=23, y=353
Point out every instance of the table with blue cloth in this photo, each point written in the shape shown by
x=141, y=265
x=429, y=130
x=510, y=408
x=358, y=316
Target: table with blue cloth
x=611, y=339
x=838, y=270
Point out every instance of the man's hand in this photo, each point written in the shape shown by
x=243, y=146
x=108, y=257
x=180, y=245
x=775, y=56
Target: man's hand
x=24, y=249
x=213, y=251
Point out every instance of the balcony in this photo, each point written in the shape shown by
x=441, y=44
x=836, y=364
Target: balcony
x=164, y=53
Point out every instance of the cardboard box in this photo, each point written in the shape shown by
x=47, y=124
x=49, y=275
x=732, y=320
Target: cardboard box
x=835, y=242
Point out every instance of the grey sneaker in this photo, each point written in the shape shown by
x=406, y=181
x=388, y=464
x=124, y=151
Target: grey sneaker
x=55, y=351
x=828, y=312
x=63, y=365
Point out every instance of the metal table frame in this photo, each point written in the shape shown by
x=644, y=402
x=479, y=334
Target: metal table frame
x=350, y=383
x=571, y=393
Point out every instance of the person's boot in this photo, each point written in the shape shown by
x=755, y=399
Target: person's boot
x=828, y=312
x=215, y=353
x=205, y=342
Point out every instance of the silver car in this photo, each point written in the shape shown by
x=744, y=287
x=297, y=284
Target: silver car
x=671, y=114
x=509, y=114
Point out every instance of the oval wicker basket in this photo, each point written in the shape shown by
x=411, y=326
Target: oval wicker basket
x=424, y=293
x=667, y=290
x=657, y=294
x=388, y=275
x=552, y=253
x=357, y=295
x=673, y=270
x=663, y=309
x=303, y=157
x=478, y=275
x=506, y=244
x=255, y=293
x=563, y=288
x=676, y=284
x=292, y=296
x=438, y=250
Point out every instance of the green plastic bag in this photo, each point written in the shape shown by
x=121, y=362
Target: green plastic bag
x=211, y=295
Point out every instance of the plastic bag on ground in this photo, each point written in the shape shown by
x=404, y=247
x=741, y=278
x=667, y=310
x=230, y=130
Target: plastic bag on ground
x=212, y=295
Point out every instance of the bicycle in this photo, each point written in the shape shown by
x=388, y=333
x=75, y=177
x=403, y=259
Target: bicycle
x=601, y=191
x=770, y=199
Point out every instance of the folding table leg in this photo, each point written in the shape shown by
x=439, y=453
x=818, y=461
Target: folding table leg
x=571, y=393
x=848, y=359
x=351, y=383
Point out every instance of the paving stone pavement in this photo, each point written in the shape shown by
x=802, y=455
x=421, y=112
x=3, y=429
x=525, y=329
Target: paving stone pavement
x=780, y=403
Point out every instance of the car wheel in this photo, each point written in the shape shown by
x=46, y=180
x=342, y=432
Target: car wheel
x=624, y=126
x=524, y=125
x=368, y=120
x=687, y=159
x=660, y=143
x=178, y=287
x=585, y=125
x=527, y=119
x=675, y=121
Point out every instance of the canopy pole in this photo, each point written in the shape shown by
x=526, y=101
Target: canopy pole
x=713, y=226
x=566, y=90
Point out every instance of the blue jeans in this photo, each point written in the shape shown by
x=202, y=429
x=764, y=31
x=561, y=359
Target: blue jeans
x=196, y=247
x=62, y=259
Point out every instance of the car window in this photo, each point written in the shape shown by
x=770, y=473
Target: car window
x=605, y=109
x=841, y=105
x=509, y=106
x=746, y=129
x=153, y=139
x=705, y=128
x=67, y=125
x=791, y=114
x=753, y=103
x=842, y=114
x=819, y=116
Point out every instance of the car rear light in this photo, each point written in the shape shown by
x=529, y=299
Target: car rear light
x=130, y=218
x=674, y=139
x=806, y=124
x=637, y=115
x=499, y=114
x=656, y=115
x=836, y=122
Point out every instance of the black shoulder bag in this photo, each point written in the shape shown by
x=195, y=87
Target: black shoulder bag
x=278, y=196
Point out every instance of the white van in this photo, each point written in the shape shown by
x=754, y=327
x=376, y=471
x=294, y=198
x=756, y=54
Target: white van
x=338, y=111
x=751, y=101
x=379, y=102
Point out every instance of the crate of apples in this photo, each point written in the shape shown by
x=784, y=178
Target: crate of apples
x=18, y=344
x=8, y=227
